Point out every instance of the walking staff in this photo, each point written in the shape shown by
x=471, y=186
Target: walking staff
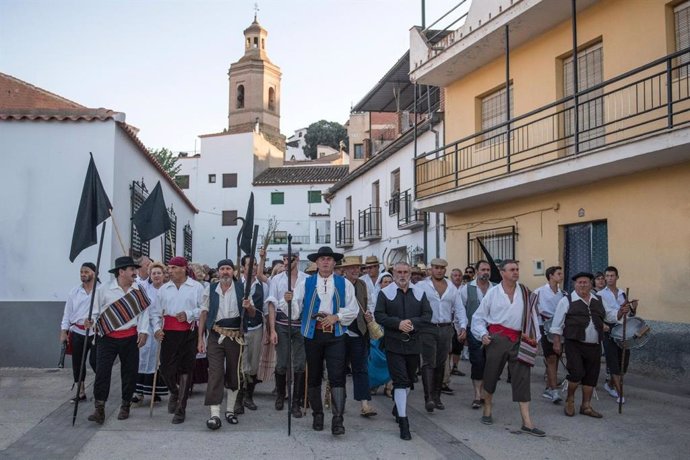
x=289, y=350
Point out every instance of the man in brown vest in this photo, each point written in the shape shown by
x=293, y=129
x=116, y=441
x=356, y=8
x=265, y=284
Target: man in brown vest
x=579, y=318
x=357, y=336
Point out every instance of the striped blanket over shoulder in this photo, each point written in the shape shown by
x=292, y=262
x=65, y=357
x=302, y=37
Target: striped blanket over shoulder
x=122, y=311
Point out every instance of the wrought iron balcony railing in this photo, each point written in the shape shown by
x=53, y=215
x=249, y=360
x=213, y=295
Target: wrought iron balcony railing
x=650, y=99
x=344, y=233
x=408, y=216
x=370, y=224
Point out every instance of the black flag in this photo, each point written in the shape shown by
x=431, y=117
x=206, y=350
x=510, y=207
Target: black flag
x=152, y=218
x=94, y=208
x=495, y=272
x=248, y=227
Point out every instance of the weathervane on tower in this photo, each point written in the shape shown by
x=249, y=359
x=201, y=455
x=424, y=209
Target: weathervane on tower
x=256, y=10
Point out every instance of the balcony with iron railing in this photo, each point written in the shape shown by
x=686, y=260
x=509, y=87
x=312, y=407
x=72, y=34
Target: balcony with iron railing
x=552, y=146
x=370, y=224
x=408, y=217
x=344, y=233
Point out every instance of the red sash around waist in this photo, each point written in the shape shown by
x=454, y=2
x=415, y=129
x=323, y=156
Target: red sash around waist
x=79, y=326
x=123, y=334
x=170, y=323
x=499, y=329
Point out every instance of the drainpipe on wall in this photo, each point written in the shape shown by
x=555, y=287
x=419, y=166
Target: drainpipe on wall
x=438, y=218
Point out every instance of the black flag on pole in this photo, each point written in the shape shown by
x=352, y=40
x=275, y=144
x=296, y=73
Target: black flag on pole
x=248, y=227
x=152, y=218
x=495, y=272
x=94, y=208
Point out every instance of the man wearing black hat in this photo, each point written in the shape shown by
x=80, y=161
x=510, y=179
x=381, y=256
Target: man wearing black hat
x=118, y=336
x=76, y=312
x=327, y=304
x=221, y=316
x=579, y=319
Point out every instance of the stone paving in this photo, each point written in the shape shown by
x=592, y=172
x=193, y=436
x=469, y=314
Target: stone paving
x=35, y=422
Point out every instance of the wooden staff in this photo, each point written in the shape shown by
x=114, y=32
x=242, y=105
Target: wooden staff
x=155, y=374
x=117, y=232
x=624, y=347
x=306, y=381
x=86, y=341
x=289, y=350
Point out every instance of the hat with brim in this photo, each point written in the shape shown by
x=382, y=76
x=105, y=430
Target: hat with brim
x=325, y=251
x=371, y=260
x=351, y=261
x=123, y=262
x=311, y=269
x=583, y=275
x=439, y=263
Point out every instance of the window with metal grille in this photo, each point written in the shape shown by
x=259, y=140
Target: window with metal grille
x=586, y=249
x=230, y=180
x=681, y=15
x=590, y=70
x=187, y=248
x=314, y=196
x=229, y=218
x=182, y=181
x=211, y=178
x=139, y=193
x=277, y=198
x=170, y=237
x=499, y=242
x=495, y=112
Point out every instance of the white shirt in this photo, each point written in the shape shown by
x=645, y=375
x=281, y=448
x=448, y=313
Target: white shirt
x=325, y=288
x=480, y=293
x=264, y=307
x=548, y=300
x=171, y=301
x=372, y=292
x=228, y=306
x=112, y=292
x=563, y=308
x=612, y=302
x=496, y=308
x=447, y=307
x=279, y=287
x=76, y=310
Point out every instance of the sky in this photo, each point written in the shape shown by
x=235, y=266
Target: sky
x=164, y=62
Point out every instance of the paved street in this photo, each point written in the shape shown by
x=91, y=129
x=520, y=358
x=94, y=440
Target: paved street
x=35, y=422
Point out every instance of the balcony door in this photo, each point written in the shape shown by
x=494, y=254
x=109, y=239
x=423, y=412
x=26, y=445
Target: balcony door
x=586, y=249
x=590, y=70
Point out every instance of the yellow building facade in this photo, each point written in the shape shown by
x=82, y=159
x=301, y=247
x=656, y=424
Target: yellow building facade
x=530, y=175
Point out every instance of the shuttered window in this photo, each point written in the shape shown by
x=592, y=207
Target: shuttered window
x=681, y=15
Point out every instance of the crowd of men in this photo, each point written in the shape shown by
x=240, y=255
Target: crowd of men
x=159, y=319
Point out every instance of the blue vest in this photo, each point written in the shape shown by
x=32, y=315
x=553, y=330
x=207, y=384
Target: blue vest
x=214, y=302
x=312, y=302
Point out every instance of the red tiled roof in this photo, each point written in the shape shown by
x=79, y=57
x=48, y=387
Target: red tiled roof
x=18, y=94
x=79, y=114
x=301, y=175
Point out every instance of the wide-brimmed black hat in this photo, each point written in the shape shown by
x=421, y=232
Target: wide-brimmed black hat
x=582, y=275
x=123, y=262
x=325, y=251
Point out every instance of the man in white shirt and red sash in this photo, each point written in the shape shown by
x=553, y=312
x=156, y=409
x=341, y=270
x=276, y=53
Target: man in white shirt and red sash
x=120, y=310
x=176, y=308
x=75, y=313
x=507, y=315
x=327, y=304
x=549, y=295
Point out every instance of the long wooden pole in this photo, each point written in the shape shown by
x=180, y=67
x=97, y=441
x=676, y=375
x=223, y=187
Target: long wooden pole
x=289, y=350
x=117, y=232
x=624, y=347
x=155, y=374
x=86, y=341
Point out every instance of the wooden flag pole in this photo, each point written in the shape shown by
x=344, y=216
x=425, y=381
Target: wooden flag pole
x=117, y=232
x=86, y=341
x=289, y=350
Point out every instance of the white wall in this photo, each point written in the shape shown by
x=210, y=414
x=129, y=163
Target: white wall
x=360, y=189
x=223, y=154
x=131, y=165
x=45, y=165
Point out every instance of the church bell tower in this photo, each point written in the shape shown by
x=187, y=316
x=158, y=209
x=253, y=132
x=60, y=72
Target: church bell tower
x=255, y=88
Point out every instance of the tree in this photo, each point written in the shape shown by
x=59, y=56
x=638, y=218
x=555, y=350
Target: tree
x=324, y=132
x=168, y=161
